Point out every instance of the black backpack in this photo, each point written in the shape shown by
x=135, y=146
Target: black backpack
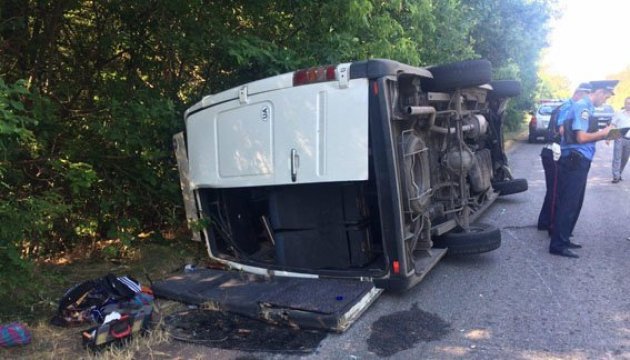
x=81, y=303
x=553, y=132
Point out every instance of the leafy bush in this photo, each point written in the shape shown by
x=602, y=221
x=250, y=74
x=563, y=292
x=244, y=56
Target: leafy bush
x=28, y=210
x=92, y=91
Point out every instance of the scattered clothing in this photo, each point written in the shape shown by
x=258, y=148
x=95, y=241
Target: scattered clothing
x=118, y=307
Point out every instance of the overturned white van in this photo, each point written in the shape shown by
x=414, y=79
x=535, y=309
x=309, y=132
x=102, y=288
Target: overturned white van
x=367, y=171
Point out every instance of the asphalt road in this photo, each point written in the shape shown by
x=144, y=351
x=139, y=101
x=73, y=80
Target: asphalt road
x=517, y=302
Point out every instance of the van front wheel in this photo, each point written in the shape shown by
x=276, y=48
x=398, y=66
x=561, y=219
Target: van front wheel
x=479, y=239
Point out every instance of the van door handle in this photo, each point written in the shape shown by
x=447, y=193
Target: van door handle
x=295, y=164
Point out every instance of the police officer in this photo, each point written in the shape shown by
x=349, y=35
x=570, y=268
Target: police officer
x=580, y=133
x=545, y=218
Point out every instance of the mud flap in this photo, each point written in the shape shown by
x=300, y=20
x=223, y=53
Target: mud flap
x=325, y=304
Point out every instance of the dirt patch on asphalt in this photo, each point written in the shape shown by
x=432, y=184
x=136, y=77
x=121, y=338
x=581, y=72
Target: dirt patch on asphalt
x=402, y=330
x=230, y=331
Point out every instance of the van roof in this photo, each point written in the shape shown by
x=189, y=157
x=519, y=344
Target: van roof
x=371, y=69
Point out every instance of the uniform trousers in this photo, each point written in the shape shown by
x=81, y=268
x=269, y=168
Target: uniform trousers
x=547, y=212
x=572, y=176
x=546, y=218
x=621, y=152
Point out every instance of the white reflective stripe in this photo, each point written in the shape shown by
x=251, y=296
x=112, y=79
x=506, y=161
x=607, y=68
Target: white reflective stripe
x=266, y=272
x=132, y=285
x=293, y=274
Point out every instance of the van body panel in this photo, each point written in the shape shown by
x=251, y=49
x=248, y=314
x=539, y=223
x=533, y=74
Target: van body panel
x=306, y=134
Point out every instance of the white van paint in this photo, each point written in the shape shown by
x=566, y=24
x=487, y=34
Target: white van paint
x=318, y=131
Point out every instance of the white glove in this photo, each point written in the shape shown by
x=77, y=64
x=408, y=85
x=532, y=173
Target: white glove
x=555, y=148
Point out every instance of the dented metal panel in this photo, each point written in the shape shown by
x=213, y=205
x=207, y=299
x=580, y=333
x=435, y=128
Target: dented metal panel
x=179, y=145
x=326, y=304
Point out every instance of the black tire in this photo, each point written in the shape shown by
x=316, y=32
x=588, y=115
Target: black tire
x=458, y=75
x=481, y=238
x=505, y=88
x=531, y=139
x=508, y=187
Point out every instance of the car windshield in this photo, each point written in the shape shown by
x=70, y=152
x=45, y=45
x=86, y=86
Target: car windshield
x=546, y=109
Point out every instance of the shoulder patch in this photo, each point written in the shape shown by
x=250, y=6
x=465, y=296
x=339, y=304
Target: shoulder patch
x=585, y=115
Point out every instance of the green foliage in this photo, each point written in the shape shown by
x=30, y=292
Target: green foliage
x=14, y=124
x=27, y=209
x=622, y=90
x=511, y=34
x=92, y=91
x=553, y=86
x=16, y=139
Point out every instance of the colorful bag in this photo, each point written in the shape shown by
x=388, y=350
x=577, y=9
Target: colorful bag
x=14, y=334
x=119, y=307
x=134, y=317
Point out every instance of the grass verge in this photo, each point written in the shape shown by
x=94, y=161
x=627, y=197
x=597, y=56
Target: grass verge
x=52, y=278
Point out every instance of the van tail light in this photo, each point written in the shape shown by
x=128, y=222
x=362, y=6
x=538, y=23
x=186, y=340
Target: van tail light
x=314, y=75
x=532, y=122
x=396, y=267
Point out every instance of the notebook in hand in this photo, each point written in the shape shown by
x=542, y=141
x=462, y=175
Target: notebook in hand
x=613, y=134
x=616, y=133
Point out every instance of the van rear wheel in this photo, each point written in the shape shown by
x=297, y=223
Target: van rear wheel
x=532, y=138
x=458, y=75
x=479, y=239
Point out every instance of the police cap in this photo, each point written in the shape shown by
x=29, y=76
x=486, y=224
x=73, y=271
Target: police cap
x=605, y=84
x=586, y=87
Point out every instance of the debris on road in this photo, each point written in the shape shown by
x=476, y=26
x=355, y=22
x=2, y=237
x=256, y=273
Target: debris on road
x=226, y=330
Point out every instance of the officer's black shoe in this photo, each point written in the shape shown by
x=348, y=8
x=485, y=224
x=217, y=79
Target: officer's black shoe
x=573, y=245
x=615, y=180
x=566, y=253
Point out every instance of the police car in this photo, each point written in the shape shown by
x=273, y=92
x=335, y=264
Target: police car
x=539, y=120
